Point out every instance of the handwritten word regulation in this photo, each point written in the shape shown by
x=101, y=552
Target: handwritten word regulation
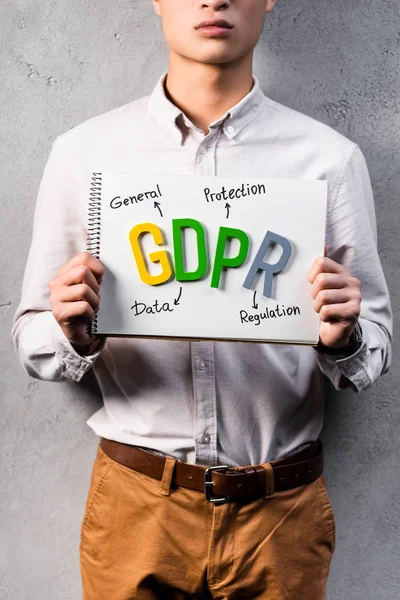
x=272, y=313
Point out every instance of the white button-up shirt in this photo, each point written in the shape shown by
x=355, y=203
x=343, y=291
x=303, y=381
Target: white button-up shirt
x=205, y=402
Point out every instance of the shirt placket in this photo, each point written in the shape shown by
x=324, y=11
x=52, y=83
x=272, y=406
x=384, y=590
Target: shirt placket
x=203, y=368
x=205, y=403
x=205, y=158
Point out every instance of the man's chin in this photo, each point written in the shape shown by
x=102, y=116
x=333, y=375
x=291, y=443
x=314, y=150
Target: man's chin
x=213, y=58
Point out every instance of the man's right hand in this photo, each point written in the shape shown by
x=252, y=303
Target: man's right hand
x=75, y=298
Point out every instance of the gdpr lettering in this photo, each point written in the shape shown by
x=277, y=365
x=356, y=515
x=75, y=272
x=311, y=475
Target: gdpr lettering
x=221, y=262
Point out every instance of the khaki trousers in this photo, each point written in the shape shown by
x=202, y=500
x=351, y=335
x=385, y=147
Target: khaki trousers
x=142, y=539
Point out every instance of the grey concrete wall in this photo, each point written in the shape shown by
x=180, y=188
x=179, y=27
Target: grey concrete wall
x=62, y=62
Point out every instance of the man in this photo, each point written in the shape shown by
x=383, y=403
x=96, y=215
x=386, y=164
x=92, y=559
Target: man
x=157, y=524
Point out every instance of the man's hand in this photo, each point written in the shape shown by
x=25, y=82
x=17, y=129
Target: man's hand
x=337, y=299
x=75, y=298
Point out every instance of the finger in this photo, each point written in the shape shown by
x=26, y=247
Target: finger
x=66, y=313
x=326, y=251
x=323, y=264
x=340, y=296
x=76, y=275
x=86, y=259
x=346, y=313
x=76, y=293
x=327, y=281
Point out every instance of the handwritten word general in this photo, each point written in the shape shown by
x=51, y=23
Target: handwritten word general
x=117, y=202
x=221, y=262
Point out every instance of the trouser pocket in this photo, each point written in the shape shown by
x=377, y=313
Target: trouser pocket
x=100, y=471
x=329, y=509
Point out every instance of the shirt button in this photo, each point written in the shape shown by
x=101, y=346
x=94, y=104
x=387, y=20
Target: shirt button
x=201, y=365
x=230, y=128
x=202, y=150
x=205, y=438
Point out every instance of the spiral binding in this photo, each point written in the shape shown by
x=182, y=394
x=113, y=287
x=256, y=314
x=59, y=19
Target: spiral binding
x=94, y=227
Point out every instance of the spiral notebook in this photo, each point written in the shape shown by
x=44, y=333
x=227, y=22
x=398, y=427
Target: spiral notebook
x=200, y=257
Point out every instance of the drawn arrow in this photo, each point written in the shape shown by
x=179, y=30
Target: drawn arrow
x=227, y=206
x=157, y=205
x=176, y=301
x=254, y=300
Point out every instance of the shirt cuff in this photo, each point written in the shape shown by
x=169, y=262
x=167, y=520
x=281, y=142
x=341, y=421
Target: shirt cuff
x=75, y=364
x=352, y=367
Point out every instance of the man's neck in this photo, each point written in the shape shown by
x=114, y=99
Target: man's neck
x=205, y=92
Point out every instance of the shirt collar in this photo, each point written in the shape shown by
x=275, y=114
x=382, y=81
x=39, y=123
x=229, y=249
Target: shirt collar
x=165, y=113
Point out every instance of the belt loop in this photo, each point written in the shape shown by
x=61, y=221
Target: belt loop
x=269, y=481
x=168, y=474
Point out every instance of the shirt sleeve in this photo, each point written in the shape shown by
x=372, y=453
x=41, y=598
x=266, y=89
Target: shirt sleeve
x=352, y=241
x=59, y=233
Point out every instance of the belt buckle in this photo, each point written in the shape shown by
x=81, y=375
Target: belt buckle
x=208, y=484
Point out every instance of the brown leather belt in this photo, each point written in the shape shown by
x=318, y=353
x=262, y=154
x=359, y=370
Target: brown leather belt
x=221, y=483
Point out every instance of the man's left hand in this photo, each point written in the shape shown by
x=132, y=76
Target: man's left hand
x=337, y=299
